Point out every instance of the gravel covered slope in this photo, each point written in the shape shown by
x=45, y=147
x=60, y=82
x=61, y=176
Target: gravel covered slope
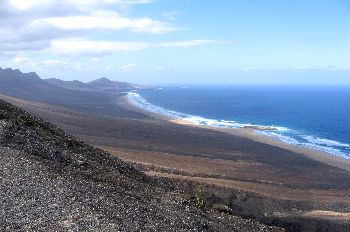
x=49, y=181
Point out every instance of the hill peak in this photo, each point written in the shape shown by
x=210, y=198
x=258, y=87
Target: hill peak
x=101, y=80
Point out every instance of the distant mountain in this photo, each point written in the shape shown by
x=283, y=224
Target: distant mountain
x=98, y=96
x=101, y=84
x=106, y=84
x=103, y=81
x=77, y=85
x=26, y=85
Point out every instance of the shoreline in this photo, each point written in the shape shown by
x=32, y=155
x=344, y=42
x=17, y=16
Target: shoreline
x=249, y=133
x=323, y=157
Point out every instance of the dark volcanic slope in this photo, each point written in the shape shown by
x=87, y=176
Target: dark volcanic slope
x=52, y=182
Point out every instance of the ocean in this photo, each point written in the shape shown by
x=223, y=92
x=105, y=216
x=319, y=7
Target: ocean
x=316, y=117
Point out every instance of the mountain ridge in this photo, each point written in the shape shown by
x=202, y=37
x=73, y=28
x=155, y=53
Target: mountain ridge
x=103, y=82
x=98, y=97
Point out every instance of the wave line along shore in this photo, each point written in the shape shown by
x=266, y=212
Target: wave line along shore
x=250, y=131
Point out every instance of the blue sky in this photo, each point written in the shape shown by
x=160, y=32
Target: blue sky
x=179, y=41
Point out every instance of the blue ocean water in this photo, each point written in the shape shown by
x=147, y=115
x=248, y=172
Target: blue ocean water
x=317, y=117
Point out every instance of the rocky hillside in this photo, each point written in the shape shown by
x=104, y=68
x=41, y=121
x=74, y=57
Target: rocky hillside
x=50, y=181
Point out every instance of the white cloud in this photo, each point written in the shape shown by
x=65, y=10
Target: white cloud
x=108, y=20
x=20, y=59
x=33, y=24
x=53, y=26
x=78, y=47
x=23, y=46
x=30, y=4
x=127, y=67
x=87, y=47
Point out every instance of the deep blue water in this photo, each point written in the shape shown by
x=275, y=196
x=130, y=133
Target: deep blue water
x=317, y=117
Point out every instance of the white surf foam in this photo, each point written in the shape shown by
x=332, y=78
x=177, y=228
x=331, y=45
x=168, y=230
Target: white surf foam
x=139, y=101
x=329, y=150
x=282, y=138
x=142, y=103
x=326, y=142
x=314, y=144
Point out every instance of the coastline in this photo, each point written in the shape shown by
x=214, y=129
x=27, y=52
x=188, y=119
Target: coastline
x=323, y=157
x=326, y=158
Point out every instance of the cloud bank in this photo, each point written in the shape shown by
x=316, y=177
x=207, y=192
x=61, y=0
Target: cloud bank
x=54, y=26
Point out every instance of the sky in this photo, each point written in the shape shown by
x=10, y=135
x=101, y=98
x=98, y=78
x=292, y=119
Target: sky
x=179, y=41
